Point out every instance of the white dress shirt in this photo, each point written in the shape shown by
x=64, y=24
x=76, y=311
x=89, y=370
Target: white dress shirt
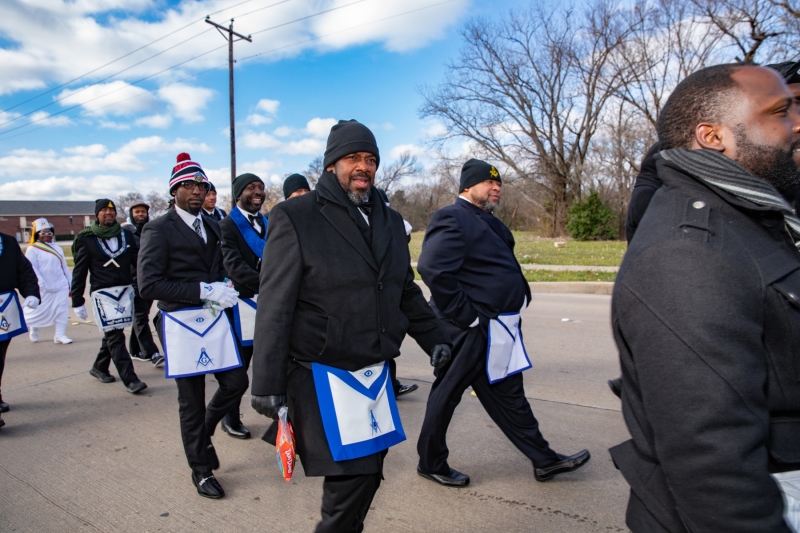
x=190, y=218
x=247, y=215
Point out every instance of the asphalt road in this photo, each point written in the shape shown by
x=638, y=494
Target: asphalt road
x=77, y=455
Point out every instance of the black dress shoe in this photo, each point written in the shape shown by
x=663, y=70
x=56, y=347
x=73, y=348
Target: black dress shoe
x=453, y=479
x=2, y=422
x=405, y=389
x=207, y=486
x=237, y=432
x=135, y=387
x=104, y=377
x=616, y=386
x=157, y=359
x=566, y=464
x=4, y=407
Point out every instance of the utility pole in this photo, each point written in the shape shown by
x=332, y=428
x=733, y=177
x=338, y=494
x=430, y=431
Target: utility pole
x=230, y=37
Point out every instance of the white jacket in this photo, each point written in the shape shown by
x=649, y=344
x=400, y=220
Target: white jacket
x=51, y=270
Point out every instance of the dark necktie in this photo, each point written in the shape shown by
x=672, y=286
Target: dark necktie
x=196, y=226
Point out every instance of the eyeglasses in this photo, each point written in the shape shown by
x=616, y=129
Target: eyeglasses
x=190, y=185
x=46, y=233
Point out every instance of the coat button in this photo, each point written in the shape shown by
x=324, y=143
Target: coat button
x=380, y=286
x=699, y=204
x=383, y=329
x=793, y=297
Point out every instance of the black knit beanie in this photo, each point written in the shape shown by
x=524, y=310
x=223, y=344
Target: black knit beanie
x=294, y=182
x=102, y=203
x=242, y=181
x=349, y=137
x=790, y=70
x=475, y=171
x=211, y=187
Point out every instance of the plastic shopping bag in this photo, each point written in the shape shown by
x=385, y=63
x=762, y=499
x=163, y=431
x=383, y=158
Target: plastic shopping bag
x=284, y=445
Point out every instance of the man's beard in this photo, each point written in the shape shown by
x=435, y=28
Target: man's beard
x=488, y=206
x=358, y=198
x=773, y=165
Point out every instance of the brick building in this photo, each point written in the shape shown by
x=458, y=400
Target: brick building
x=68, y=217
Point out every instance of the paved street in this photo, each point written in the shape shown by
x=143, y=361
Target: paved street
x=77, y=455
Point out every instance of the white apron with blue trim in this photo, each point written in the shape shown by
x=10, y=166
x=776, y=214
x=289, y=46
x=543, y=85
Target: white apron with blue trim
x=12, y=321
x=244, y=319
x=505, y=352
x=197, y=342
x=113, y=307
x=359, y=410
x=789, y=483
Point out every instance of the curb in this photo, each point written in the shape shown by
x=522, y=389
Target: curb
x=572, y=287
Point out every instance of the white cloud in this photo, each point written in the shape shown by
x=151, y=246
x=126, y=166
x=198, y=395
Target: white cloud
x=388, y=126
x=186, y=101
x=308, y=146
x=257, y=120
x=434, y=130
x=268, y=106
x=114, y=98
x=7, y=119
x=158, y=144
x=110, y=124
x=413, y=149
x=320, y=127
x=43, y=118
x=283, y=131
x=155, y=121
x=65, y=188
x=92, y=150
x=260, y=140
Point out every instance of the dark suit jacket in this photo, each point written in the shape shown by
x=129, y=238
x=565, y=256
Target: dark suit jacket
x=173, y=261
x=468, y=263
x=240, y=261
x=322, y=297
x=16, y=271
x=89, y=260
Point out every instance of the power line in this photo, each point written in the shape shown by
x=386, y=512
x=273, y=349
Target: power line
x=308, y=17
x=3, y=133
x=73, y=80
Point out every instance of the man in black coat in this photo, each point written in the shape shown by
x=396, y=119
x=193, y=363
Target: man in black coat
x=142, y=347
x=244, y=234
x=705, y=312
x=180, y=265
x=107, y=254
x=468, y=263
x=16, y=273
x=337, y=296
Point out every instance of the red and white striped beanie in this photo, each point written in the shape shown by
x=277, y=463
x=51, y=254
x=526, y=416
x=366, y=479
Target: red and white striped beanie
x=186, y=170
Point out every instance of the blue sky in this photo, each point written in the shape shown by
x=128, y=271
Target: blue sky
x=349, y=67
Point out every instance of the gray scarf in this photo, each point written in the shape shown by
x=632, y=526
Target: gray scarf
x=717, y=170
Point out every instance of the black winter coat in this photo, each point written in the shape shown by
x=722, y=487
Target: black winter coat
x=241, y=263
x=706, y=317
x=173, y=261
x=323, y=298
x=646, y=184
x=90, y=260
x=16, y=271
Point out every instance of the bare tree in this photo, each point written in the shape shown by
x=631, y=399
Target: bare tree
x=529, y=91
x=314, y=171
x=389, y=176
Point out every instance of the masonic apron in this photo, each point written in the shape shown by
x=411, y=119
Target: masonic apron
x=244, y=319
x=113, y=307
x=359, y=411
x=505, y=351
x=197, y=342
x=12, y=321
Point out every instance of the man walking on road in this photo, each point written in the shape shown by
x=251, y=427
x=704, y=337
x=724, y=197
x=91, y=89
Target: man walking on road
x=107, y=254
x=478, y=291
x=706, y=316
x=337, y=296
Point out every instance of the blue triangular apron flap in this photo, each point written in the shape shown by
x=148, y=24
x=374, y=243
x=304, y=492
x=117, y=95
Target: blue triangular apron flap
x=359, y=410
x=197, y=342
x=244, y=319
x=12, y=320
x=113, y=307
x=505, y=351
x=255, y=241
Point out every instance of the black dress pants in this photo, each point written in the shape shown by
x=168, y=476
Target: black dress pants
x=113, y=348
x=141, y=338
x=3, y=350
x=346, y=501
x=232, y=418
x=505, y=402
x=198, y=421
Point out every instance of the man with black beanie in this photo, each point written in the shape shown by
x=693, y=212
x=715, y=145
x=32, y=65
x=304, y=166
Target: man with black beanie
x=141, y=344
x=478, y=291
x=244, y=233
x=336, y=298
x=294, y=186
x=107, y=253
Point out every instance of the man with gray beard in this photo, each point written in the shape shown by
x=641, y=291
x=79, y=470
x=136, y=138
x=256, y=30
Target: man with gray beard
x=478, y=291
x=336, y=298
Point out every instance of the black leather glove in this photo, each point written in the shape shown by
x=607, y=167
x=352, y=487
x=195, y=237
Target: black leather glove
x=268, y=405
x=440, y=355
